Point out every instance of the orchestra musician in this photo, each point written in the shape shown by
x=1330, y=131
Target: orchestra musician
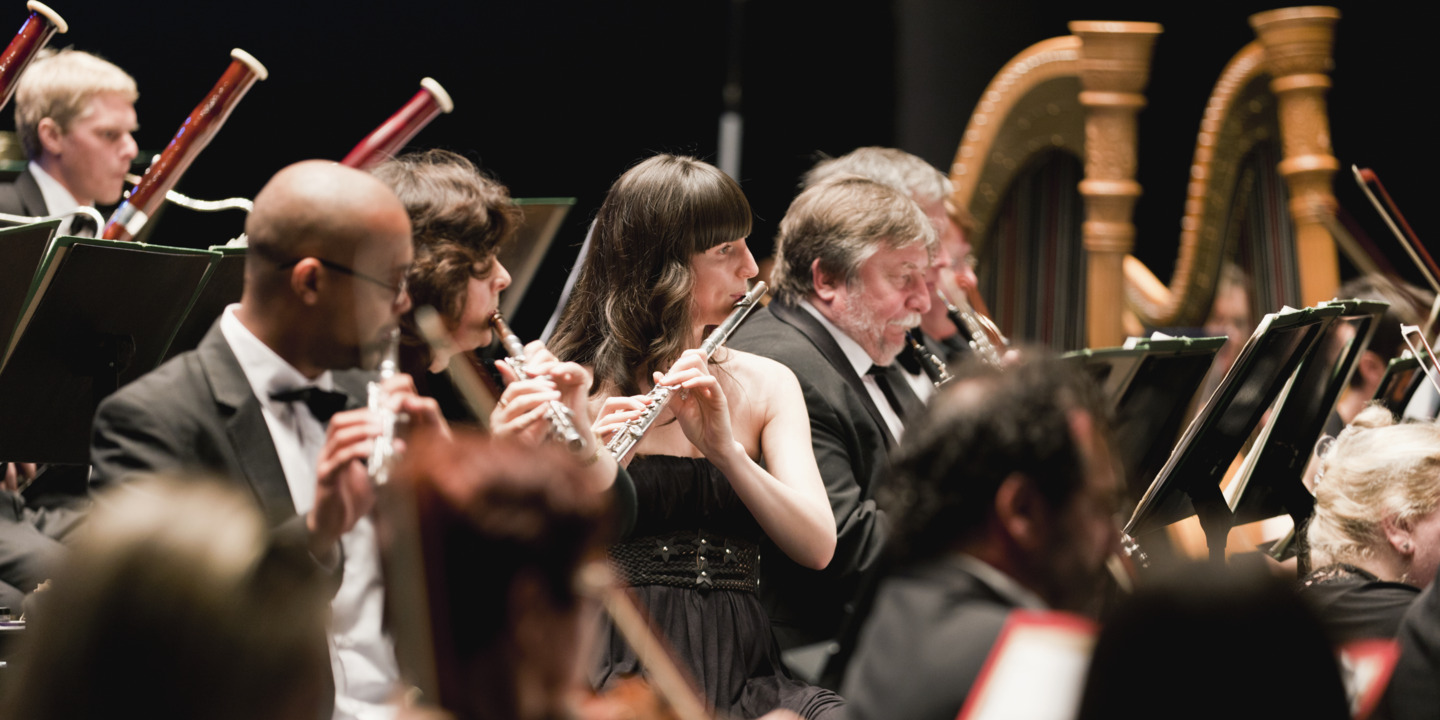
x=1374, y=538
x=74, y=114
x=668, y=259
x=1409, y=305
x=460, y=218
x=851, y=259
x=951, y=273
x=324, y=287
x=173, y=604
x=1003, y=498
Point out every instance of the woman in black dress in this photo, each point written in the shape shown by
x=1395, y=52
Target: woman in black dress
x=668, y=260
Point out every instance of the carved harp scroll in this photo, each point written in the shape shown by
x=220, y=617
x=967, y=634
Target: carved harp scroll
x=1278, y=78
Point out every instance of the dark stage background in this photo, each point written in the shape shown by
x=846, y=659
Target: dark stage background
x=558, y=98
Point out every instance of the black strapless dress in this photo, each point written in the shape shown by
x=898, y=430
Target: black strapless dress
x=693, y=561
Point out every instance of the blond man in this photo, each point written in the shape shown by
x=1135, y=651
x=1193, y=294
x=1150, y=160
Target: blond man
x=74, y=115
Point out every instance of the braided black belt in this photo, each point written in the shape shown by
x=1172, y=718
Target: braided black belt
x=697, y=560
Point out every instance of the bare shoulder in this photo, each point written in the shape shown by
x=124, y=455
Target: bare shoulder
x=758, y=371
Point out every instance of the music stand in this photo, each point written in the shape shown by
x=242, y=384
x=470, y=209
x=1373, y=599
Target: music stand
x=1188, y=484
x=522, y=255
x=1271, y=479
x=21, y=250
x=1402, y=377
x=99, y=315
x=224, y=287
x=1148, y=385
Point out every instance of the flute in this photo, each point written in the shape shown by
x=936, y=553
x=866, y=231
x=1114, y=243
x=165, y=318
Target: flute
x=382, y=453
x=562, y=421
x=628, y=436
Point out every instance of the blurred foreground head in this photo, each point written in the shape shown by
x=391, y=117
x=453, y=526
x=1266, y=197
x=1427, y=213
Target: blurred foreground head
x=173, y=605
x=1013, y=468
x=1210, y=641
x=504, y=530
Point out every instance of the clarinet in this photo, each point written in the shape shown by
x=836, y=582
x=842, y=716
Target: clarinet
x=931, y=363
x=628, y=436
x=383, y=452
x=384, y=141
x=972, y=325
x=194, y=134
x=562, y=421
x=39, y=27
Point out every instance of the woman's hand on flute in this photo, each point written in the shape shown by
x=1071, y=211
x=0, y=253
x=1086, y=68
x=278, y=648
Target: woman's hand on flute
x=700, y=406
x=520, y=411
x=615, y=412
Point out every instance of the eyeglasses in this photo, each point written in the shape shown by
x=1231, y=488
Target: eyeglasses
x=398, y=288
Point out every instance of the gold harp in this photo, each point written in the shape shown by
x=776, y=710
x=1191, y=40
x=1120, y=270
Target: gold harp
x=1047, y=169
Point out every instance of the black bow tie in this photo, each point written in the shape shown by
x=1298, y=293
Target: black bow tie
x=82, y=225
x=323, y=404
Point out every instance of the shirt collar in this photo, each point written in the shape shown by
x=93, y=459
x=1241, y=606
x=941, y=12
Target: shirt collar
x=1003, y=585
x=266, y=371
x=858, y=357
x=58, y=200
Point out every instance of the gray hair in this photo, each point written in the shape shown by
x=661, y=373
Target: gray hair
x=841, y=222
x=889, y=166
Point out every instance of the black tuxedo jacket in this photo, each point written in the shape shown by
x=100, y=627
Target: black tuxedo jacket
x=852, y=446
x=23, y=197
x=923, y=646
x=197, y=413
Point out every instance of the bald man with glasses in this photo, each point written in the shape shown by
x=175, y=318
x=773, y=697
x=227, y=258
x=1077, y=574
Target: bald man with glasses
x=270, y=400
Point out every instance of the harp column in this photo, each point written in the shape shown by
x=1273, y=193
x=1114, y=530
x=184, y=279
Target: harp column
x=1298, y=43
x=1114, y=68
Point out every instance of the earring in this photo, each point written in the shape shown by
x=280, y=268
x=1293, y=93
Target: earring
x=1405, y=547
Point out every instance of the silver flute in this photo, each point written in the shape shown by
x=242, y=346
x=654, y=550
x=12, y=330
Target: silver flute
x=628, y=436
x=562, y=421
x=383, y=452
x=973, y=325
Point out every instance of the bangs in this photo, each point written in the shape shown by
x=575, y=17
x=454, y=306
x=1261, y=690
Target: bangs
x=720, y=212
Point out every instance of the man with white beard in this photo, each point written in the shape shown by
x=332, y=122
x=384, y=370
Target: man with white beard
x=849, y=281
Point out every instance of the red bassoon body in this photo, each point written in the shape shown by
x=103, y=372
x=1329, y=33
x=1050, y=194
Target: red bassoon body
x=192, y=137
x=42, y=25
x=393, y=134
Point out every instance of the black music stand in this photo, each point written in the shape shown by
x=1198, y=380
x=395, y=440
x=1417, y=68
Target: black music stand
x=21, y=250
x=223, y=288
x=1402, y=378
x=522, y=255
x=1148, y=385
x=1271, y=480
x=1189, y=483
x=99, y=315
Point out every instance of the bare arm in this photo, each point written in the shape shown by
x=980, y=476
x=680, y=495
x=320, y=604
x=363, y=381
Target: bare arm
x=788, y=500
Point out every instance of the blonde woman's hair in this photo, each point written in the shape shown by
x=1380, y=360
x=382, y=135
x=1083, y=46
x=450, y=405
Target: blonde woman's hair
x=1375, y=470
x=59, y=85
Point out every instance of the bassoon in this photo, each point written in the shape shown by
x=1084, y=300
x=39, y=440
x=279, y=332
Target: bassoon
x=192, y=137
x=42, y=25
x=383, y=142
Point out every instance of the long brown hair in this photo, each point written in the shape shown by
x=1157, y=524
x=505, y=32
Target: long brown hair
x=630, y=312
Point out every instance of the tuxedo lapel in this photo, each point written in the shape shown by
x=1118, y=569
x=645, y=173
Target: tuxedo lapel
x=245, y=426
x=31, y=199
x=820, y=337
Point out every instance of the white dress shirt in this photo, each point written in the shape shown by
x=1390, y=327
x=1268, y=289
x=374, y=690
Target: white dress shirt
x=860, y=362
x=58, y=200
x=362, y=655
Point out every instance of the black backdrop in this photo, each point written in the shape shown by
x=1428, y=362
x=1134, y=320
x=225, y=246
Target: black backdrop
x=558, y=98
